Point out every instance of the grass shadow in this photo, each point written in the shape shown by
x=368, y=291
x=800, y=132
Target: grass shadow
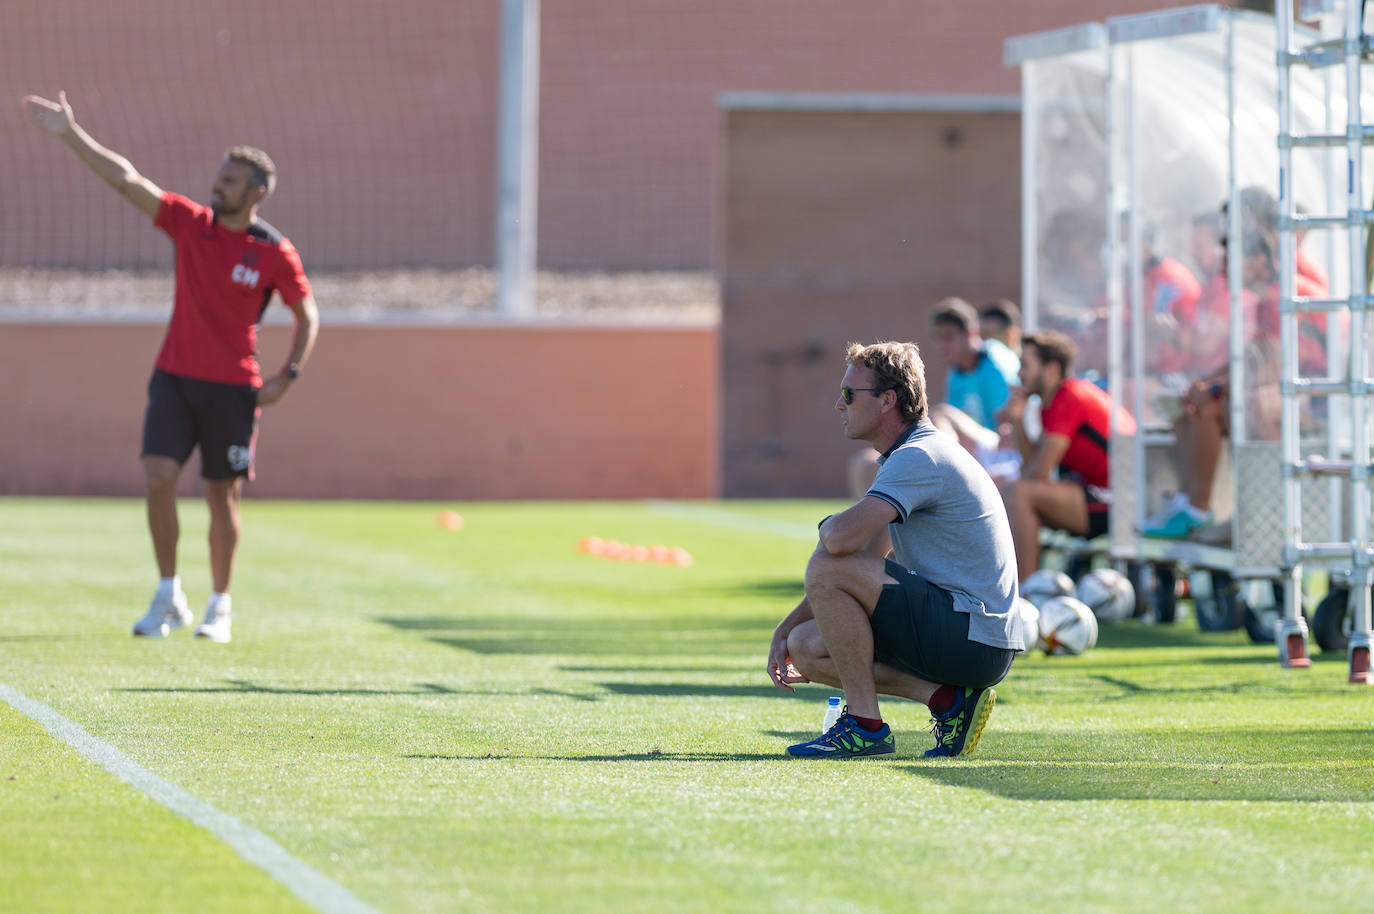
x=1129, y=689
x=787, y=589
x=1171, y=634
x=246, y=687
x=658, y=666
x=650, y=755
x=656, y=636
x=691, y=689
x=594, y=643
x=656, y=624
x=1308, y=766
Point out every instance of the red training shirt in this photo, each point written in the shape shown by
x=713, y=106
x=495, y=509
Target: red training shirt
x=1171, y=288
x=1079, y=411
x=224, y=281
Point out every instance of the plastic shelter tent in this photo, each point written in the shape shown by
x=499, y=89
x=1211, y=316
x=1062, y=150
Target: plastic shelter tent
x=1135, y=133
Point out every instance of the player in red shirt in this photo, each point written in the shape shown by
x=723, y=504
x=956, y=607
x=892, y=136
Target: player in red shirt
x=1076, y=431
x=1171, y=295
x=206, y=388
x=1205, y=422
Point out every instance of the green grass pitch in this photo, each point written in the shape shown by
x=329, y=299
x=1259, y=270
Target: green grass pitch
x=487, y=720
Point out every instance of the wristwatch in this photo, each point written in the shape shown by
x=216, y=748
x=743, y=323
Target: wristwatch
x=293, y=371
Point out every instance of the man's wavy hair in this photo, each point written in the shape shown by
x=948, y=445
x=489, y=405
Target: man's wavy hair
x=261, y=164
x=896, y=367
x=1053, y=346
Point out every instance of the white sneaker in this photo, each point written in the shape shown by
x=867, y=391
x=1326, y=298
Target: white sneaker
x=1179, y=502
x=218, y=618
x=164, y=615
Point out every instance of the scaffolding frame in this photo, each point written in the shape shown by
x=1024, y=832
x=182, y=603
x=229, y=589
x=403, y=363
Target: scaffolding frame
x=1351, y=50
x=1264, y=549
x=1254, y=556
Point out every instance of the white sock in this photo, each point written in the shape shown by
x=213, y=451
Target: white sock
x=169, y=587
x=222, y=603
x=1196, y=513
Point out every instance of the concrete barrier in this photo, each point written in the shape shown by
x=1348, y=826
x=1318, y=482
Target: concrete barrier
x=383, y=411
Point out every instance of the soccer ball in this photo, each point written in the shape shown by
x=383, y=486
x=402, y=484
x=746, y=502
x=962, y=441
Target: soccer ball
x=1108, y=593
x=1028, y=618
x=1067, y=626
x=1045, y=584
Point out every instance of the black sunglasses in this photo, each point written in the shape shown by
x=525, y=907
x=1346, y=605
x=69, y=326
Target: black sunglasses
x=847, y=393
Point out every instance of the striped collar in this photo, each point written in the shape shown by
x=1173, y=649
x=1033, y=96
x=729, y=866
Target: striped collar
x=902, y=438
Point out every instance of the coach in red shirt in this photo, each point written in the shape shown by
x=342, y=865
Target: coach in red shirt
x=206, y=388
x=1076, y=420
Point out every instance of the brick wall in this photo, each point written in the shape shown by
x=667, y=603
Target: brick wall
x=381, y=115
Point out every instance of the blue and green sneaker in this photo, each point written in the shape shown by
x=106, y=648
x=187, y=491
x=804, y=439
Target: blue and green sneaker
x=846, y=739
x=957, y=730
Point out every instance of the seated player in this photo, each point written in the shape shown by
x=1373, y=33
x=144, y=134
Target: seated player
x=1205, y=421
x=1075, y=430
x=999, y=324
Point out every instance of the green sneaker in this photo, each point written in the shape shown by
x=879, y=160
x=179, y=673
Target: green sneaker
x=846, y=739
x=1178, y=525
x=957, y=730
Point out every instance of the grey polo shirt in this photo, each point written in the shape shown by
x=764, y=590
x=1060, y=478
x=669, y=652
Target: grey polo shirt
x=952, y=529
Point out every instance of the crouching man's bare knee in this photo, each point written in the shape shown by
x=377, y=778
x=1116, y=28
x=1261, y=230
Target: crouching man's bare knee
x=807, y=650
x=823, y=570
x=805, y=646
x=859, y=575
x=851, y=572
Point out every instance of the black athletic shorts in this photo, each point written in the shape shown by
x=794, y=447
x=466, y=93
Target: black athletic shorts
x=917, y=630
x=221, y=418
x=1099, y=518
x=1099, y=505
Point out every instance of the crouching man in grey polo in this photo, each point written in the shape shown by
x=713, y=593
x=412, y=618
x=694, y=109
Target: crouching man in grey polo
x=911, y=591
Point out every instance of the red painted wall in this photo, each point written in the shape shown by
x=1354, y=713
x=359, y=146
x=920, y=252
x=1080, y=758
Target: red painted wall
x=390, y=412
x=381, y=116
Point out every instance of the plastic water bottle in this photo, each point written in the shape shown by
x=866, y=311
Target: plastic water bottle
x=832, y=713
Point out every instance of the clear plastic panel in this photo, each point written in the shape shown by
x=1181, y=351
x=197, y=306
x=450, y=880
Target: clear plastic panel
x=1181, y=105
x=1173, y=153
x=1067, y=105
x=1176, y=124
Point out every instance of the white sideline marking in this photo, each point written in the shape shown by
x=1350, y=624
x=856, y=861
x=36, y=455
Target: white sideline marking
x=307, y=883
x=735, y=520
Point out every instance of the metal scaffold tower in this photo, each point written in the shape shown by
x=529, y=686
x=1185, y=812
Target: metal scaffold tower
x=1345, y=384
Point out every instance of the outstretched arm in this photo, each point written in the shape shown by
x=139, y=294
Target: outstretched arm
x=111, y=167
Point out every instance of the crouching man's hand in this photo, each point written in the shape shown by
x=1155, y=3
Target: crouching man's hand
x=780, y=668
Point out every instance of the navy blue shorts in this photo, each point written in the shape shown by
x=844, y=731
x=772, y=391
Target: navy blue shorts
x=1099, y=520
x=917, y=630
x=1099, y=505
x=221, y=418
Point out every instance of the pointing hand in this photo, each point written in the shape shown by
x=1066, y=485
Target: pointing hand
x=55, y=117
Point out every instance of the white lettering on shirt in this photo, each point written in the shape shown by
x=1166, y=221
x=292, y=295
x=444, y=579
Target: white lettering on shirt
x=245, y=276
